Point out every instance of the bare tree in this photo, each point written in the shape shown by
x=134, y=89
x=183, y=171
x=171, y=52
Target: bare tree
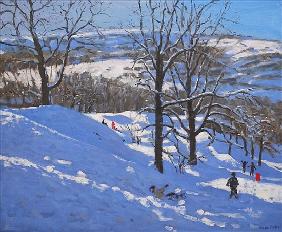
x=194, y=90
x=198, y=94
x=261, y=127
x=169, y=31
x=160, y=44
x=52, y=26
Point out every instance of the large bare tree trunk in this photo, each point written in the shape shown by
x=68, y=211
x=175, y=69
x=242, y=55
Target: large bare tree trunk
x=245, y=146
x=45, y=92
x=159, y=116
x=192, y=136
x=42, y=73
x=193, y=156
x=260, y=151
x=229, y=148
x=158, y=134
x=252, y=149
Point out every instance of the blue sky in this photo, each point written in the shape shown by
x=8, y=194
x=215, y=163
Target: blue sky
x=257, y=18
x=261, y=19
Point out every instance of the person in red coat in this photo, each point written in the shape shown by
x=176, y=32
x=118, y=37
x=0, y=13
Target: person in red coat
x=113, y=125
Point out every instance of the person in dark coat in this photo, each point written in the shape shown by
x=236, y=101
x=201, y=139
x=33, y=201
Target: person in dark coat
x=103, y=122
x=253, y=168
x=138, y=140
x=233, y=183
x=244, y=165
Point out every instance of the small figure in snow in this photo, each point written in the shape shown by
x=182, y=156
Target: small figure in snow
x=138, y=139
x=233, y=183
x=103, y=122
x=253, y=168
x=181, y=167
x=176, y=196
x=244, y=165
x=114, y=125
x=158, y=192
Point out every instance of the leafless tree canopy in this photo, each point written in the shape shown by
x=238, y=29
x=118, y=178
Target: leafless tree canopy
x=174, y=37
x=46, y=30
x=262, y=128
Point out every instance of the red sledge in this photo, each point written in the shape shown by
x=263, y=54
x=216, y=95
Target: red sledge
x=257, y=176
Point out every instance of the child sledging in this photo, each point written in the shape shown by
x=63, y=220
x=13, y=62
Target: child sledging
x=160, y=193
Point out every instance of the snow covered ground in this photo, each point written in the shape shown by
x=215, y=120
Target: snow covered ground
x=111, y=69
x=65, y=171
x=243, y=47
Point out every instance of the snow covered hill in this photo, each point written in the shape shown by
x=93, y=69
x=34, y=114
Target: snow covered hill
x=252, y=63
x=65, y=171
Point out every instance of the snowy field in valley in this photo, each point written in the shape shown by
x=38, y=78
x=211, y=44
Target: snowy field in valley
x=252, y=63
x=65, y=171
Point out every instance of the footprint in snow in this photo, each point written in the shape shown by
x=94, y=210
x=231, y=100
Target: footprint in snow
x=64, y=162
x=50, y=169
x=47, y=158
x=59, y=161
x=130, y=169
x=170, y=228
x=81, y=174
x=36, y=132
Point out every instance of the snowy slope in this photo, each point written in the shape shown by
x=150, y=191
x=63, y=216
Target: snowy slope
x=64, y=171
x=258, y=64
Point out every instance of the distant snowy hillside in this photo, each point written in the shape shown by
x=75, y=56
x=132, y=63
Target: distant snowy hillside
x=65, y=171
x=252, y=63
x=256, y=63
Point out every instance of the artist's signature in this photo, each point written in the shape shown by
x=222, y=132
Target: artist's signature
x=271, y=227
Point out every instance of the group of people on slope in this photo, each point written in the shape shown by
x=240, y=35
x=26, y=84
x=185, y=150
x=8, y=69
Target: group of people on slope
x=233, y=181
x=252, y=167
x=113, y=124
x=135, y=139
